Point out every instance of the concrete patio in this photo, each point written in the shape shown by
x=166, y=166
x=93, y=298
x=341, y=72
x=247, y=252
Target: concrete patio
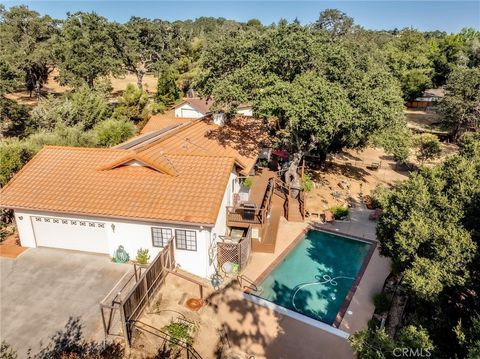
x=43, y=287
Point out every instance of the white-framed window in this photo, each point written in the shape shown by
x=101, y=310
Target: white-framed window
x=161, y=236
x=186, y=240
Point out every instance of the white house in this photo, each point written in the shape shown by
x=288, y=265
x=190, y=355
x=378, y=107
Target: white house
x=173, y=183
x=198, y=107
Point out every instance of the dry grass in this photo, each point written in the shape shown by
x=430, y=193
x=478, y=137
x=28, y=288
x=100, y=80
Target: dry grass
x=52, y=87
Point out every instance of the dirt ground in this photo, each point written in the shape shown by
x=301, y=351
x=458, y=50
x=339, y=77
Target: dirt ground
x=52, y=87
x=348, y=174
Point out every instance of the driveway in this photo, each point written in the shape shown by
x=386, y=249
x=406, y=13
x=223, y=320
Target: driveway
x=43, y=287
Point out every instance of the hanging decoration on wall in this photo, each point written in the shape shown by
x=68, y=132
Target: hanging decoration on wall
x=121, y=255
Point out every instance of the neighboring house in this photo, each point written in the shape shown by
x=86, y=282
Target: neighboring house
x=198, y=107
x=245, y=110
x=429, y=99
x=172, y=182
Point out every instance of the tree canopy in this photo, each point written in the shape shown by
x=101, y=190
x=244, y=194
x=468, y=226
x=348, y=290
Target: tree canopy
x=85, y=49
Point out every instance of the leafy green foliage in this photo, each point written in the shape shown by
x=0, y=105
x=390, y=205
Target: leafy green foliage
x=339, y=212
x=111, y=132
x=134, y=105
x=143, y=256
x=334, y=22
x=247, y=182
x=167, y=90
x=14, y=155
x=376, y=344
x=421, y=228
x=179, y=331
x=381, y=302
x=15, y=119
x=83, y=107
x=308, y=183
x=323, y=95
x=141, y=44
x=408, y=56
x=85, y=50
x=460, y=108
x=428, y=147
x=26, y=39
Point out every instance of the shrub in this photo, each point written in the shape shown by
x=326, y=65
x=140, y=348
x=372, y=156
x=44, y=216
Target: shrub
x=307, y=182
x=247, y=182
x=381, y=302
x=339, y=212
x=134, y=105
x=179, y=331
x=142, y=256
x=378, y=195
x=112, y=132
x=428, y=147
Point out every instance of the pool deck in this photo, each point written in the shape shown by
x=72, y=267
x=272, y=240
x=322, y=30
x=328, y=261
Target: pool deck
x=360, y=308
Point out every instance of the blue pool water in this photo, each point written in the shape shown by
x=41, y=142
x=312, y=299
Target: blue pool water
x=316, y=276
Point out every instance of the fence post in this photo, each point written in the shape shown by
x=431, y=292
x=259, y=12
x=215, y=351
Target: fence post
x=124, y=326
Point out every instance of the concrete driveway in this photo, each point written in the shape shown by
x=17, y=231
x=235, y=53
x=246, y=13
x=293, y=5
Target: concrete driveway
x=43, y=287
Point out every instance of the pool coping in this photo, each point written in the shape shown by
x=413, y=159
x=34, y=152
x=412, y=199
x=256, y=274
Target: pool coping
x=346, y=303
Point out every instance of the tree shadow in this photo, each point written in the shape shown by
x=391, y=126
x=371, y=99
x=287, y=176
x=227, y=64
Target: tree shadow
x=69, y=342
x=242, y=134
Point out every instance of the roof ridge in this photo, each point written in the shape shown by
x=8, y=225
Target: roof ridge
x=79, y=148
x=169, y=134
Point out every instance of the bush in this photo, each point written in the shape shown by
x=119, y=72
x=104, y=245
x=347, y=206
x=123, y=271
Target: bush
x=179, y=331
x=378, y=195
x=83, y=107
x=134, y=105
x=381, y=302
x=307, y=182
x=142, y=256
x=428, y=147
x=14, y=154
x=339, y=212
x=247, y=182
x=112, y=132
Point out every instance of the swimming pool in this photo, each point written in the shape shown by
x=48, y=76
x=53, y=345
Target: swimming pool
x=316, y=276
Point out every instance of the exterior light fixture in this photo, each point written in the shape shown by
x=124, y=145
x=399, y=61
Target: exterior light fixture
x=20, y=217
x=113, y=228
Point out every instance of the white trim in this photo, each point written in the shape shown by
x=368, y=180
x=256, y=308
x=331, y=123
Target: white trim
x=300, y=317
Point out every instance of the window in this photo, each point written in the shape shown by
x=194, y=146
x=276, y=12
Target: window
x=186, y=239
x=161, y=236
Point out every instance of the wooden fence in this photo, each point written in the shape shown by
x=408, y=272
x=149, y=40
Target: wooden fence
x=140, y=296
x=120, y=311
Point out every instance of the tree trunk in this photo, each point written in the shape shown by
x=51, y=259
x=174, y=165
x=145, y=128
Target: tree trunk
x=292, y=178
x=140, y=79
x=37, y=91
x=140, y=72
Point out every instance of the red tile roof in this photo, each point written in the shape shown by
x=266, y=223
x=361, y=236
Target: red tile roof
x=67, y=180
x=177, y=175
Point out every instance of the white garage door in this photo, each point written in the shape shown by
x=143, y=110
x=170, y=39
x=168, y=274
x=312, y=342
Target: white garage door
x=64, y=233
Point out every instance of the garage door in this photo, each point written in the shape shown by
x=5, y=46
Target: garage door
x=64, y=233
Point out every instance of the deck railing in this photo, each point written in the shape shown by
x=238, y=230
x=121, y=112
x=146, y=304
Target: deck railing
x=241, y=214
x=250, y=213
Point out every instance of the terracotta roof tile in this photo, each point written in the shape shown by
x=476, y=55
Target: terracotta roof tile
x=63, y=179
x=182, y=175
x=163, y=120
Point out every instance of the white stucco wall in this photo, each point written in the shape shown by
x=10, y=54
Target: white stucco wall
x=185, y=110
x=133, y=235
x=220, y=227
